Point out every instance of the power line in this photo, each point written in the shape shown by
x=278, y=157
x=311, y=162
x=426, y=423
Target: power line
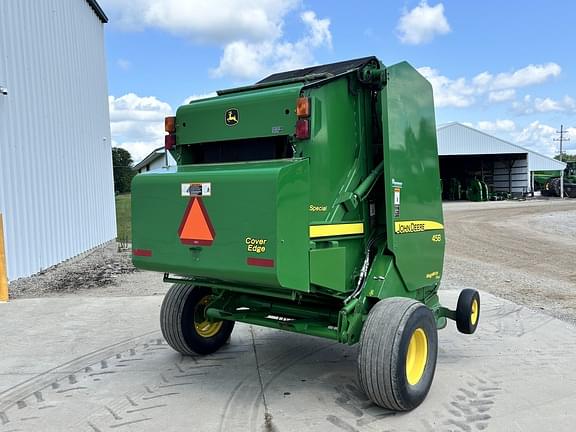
x=562, y=139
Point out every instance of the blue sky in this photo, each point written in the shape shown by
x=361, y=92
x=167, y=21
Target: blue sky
x=505, y=67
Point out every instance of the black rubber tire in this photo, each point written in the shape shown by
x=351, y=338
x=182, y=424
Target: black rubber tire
x=464, y=321
x=383, y=349
x=555, y=186
x=177, y=321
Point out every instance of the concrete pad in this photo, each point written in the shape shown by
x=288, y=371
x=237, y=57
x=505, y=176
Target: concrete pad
x=97, y=364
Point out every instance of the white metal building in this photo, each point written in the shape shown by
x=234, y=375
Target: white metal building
x=505, y=167
x=155, y=160
x=56, y=185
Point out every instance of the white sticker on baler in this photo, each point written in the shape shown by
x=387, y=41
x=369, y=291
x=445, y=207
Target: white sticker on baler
x=196, y=189
x=396, y=197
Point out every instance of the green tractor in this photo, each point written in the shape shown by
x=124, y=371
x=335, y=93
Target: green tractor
x=550, y=186
x=477, y=190
x=308, y=202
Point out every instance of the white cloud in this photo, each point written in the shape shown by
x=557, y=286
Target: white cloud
x=461, y=92
x=496, y=126
x=318, y=30
x=124, y=64
x=204, y=20
x=539, y=137
x=245, y=60
x=137, y=123
x=527, y=76
x=536, y=136
x=198, y=96
x=502, y=95
x=448, y=92
x=250, y=32
x=523, y=77
x=530, y=105
x=421, y=24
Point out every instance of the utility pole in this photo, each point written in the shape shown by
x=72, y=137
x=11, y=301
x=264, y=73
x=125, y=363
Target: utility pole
x=562, y=139
x=561, y=132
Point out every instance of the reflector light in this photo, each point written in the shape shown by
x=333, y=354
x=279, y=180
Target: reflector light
x=142, y=252
x=169, y=141
x=303, y=107
x=196, y=228
x=170, y=124
x=260, y=262
x=302, y=129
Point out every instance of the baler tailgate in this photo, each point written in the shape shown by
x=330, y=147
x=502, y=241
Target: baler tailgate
x=242, y=223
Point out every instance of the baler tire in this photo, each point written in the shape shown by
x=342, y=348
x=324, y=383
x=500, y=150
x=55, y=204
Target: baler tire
x=383, y=368
x=468, y=311
x=178, y=325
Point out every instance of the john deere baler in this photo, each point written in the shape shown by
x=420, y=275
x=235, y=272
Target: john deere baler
x=308, y=202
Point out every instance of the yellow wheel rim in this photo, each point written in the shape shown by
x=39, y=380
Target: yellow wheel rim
x=206, y=328
x=416, y=357
x=474, y=312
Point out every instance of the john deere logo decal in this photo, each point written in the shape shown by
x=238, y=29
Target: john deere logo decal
x=232, y=117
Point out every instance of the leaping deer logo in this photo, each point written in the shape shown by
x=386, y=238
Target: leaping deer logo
x=231, y=117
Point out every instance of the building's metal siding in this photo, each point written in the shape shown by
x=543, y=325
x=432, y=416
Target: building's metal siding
x=540, y=162
x=56, y=186
x=458, y=139
x=513, y=179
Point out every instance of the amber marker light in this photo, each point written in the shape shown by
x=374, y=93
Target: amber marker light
x=170, y=124
x=303, y=107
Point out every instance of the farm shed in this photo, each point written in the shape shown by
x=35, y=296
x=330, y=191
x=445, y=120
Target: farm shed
x=56, y=185
x=466, y=153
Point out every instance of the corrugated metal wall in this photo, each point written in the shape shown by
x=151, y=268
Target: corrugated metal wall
x=540, y=162
x=56, y=186
x=511, y=176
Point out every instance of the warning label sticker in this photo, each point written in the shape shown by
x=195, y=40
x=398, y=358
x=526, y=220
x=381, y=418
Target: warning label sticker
x=396, y=196
x=195, y=189
x=397, y=202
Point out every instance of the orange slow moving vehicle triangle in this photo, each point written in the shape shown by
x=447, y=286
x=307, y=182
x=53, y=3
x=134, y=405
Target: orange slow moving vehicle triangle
x=196, y=228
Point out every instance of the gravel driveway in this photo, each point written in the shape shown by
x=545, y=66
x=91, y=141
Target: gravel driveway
x=524, y=251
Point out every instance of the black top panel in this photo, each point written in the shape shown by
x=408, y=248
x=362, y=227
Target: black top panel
x=332, y=68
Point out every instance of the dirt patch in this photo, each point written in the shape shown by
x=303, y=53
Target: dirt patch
x=97, y=268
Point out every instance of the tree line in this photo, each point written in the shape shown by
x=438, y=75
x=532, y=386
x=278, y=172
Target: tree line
x=122, y=165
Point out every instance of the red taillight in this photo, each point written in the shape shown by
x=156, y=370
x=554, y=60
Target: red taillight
x=169, y=142
x=302, y=129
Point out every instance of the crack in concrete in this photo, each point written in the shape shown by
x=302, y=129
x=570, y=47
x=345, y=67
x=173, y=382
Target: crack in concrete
x=268, y=425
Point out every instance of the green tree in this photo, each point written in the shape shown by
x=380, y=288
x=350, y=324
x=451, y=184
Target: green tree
x=566, y=157
x=122, y=165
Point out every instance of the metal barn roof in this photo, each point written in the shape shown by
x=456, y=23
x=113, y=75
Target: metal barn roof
x=458, y=139
x=98, y=10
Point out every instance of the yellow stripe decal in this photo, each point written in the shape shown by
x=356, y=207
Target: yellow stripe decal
x=336, y=230
x=406, y=227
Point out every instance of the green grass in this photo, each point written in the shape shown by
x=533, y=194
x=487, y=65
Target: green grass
x=123, y=218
